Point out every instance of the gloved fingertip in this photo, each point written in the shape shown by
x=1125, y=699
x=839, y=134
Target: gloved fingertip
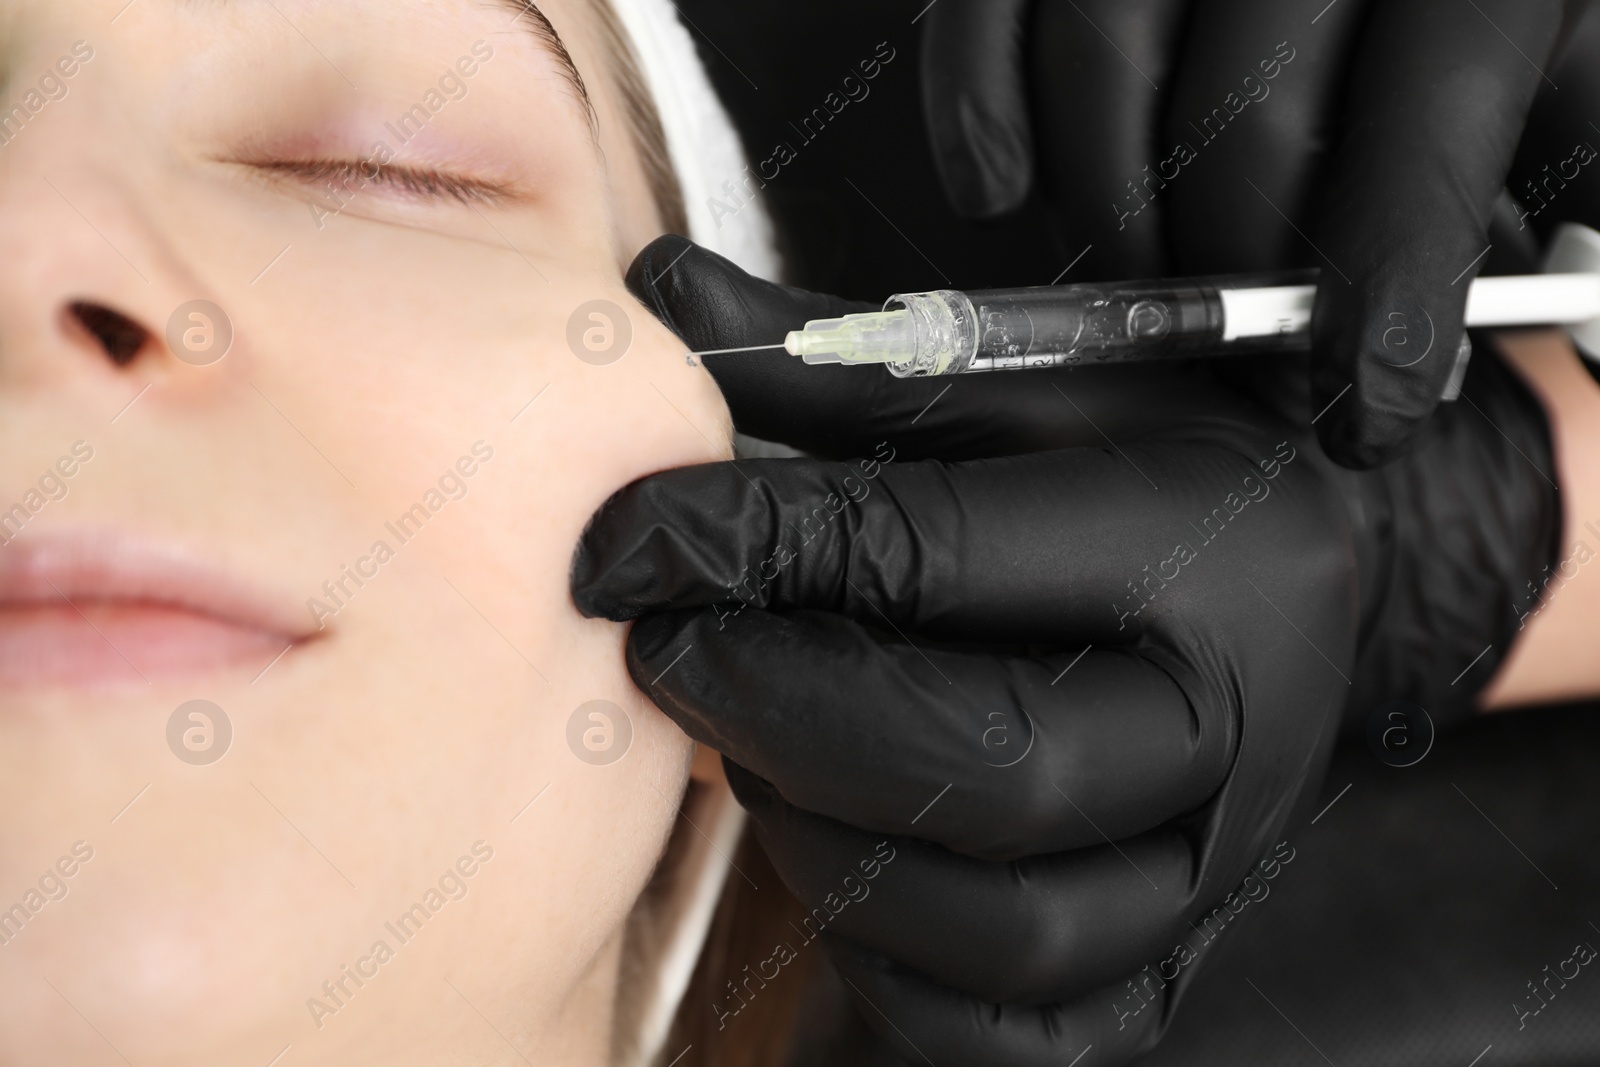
x=590, y=601
x=1384, y=347
x=850, y=956
x=975, y=103
x=649, y=270
x=583, y=583
x=754, y=793
x=1367, y=440
x=600, y=603
x=655, y=643
x=602, y=585
x=984, y=161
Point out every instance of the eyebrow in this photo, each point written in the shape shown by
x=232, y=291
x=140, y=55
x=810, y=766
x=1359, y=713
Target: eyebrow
x=544, y=32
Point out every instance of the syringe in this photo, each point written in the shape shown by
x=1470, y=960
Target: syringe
x=952, y=332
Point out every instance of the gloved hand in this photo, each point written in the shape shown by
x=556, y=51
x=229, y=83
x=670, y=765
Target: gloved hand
x=1178, y=138
x=1080, y=670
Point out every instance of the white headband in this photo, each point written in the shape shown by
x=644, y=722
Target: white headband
x=705, y=149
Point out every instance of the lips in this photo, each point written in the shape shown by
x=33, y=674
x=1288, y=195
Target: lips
x=104, y=607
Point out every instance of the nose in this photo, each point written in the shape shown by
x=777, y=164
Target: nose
x=88, y=280
x=119, y=337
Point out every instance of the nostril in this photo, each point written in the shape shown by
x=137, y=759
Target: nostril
x=120, y=336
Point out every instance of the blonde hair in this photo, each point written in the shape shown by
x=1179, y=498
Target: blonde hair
x=644, y=121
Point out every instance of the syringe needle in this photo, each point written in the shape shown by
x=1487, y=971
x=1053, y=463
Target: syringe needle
x=730, y=351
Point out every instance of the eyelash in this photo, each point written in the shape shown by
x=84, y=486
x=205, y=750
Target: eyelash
x=419, y=182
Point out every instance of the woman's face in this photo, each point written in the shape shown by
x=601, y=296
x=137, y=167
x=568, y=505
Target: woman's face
x=350, y=534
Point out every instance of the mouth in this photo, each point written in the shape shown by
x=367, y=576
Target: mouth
x=103, y=607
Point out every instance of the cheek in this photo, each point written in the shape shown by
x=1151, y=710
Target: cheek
x=437, y=713
x=438, y=709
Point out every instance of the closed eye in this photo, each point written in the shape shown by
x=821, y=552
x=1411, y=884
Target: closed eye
x=346, y=178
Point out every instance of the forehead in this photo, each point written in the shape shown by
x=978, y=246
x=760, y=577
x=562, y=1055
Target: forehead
x=293, y=48
x=522, y=15
x=100, y=20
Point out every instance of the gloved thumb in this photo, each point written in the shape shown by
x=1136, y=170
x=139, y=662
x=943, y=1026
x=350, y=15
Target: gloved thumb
x=974, y=98
x=711, y=303
x=1406, y=229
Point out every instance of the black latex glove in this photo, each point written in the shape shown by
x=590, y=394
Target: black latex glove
x=914, y=664
x=1556, y=177
x=1179, y=137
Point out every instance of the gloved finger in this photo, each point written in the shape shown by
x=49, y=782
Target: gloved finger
x=1437, y=103
x=838, y=411
x=996, y=756
x=713, y=305
x=1098, y=69
x=1553, y=178
x=1030, y=549
x=921, y=1018
x=1253, y=114
x=1036, y=930
x=975, y=104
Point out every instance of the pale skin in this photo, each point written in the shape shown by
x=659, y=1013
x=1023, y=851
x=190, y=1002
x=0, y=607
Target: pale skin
x=1554, y=658
x=374, y=347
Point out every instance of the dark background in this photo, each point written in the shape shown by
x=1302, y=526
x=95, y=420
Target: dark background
x=859, y=208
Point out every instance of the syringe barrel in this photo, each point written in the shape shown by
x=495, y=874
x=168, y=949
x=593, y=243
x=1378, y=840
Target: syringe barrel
x=1072, y=325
